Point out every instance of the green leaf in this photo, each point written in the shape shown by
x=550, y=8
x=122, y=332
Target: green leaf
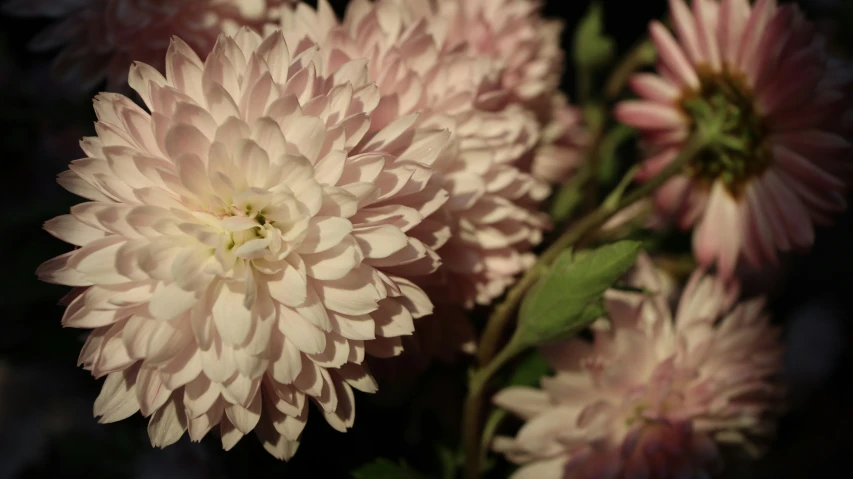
x=595, y=115
x=571, y=295
x=450, y=460
x=615, y=197
x=569, y=197
x=608, y=159
x=386, y=469
x=593, y=49
x=529, y=370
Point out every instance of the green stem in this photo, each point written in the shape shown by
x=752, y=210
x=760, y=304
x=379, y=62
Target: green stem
x=504, y=312
x=471, y=442
x=640, y=54
x=494, y=331
x=584, y=80
x=592, y=160
x=489, y=430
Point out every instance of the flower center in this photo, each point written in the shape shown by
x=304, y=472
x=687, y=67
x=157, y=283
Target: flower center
x=635, y=415
x=258, y=225
x=259, y=231
x=250, y=235
x=738, y=150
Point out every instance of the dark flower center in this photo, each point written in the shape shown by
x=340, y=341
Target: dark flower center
x=738, y=150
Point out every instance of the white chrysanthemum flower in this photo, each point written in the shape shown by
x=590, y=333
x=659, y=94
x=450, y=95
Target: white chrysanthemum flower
x=246, y=242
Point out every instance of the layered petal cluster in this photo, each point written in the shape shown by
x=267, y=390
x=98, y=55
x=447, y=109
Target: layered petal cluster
x=100, y=38
x=246, y=241
x=779, y=161
x=492, y=210
x=528, y=49
x=512, y=32
x=651, y=395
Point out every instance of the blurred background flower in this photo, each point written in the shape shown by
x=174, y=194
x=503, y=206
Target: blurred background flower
x=777, y=162
x=657, y=392
x=99, y=39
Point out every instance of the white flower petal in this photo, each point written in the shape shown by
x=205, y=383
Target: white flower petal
x=168, y=423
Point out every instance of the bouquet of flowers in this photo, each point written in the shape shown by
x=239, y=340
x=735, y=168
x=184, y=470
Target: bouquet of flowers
x=286, y=207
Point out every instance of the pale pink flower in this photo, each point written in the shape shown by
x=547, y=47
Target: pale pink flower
x=511, y=32
x=100, y=38
x=528, y=49
x=784, y=106
x=563, y=141
x=492, y=210
x=652, y=396
x=247, y=241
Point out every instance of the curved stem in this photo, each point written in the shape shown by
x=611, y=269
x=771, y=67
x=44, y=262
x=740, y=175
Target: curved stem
x=503, y=313
x=471, y=442
x=494, y=331
x=640, y=54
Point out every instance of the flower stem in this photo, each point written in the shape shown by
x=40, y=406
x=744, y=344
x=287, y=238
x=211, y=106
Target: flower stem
x=490, y=361
x=640, y=55
x=471, y=442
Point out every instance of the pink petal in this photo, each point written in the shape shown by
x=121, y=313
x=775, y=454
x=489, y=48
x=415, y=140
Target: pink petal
x=654, y=87
x=687, y=29
x=645, y=114
x=523, y=401
x=718, y=237
x=672, y=56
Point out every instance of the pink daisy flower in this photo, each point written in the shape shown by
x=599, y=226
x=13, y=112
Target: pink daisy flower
x=246, y=241
x=653, y=395
x=101, y=38
x=780, y=162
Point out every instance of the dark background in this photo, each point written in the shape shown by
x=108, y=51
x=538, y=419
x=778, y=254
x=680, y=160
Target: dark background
x=46, y=424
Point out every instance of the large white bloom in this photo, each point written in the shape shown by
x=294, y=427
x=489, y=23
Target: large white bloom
x=246, y=242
